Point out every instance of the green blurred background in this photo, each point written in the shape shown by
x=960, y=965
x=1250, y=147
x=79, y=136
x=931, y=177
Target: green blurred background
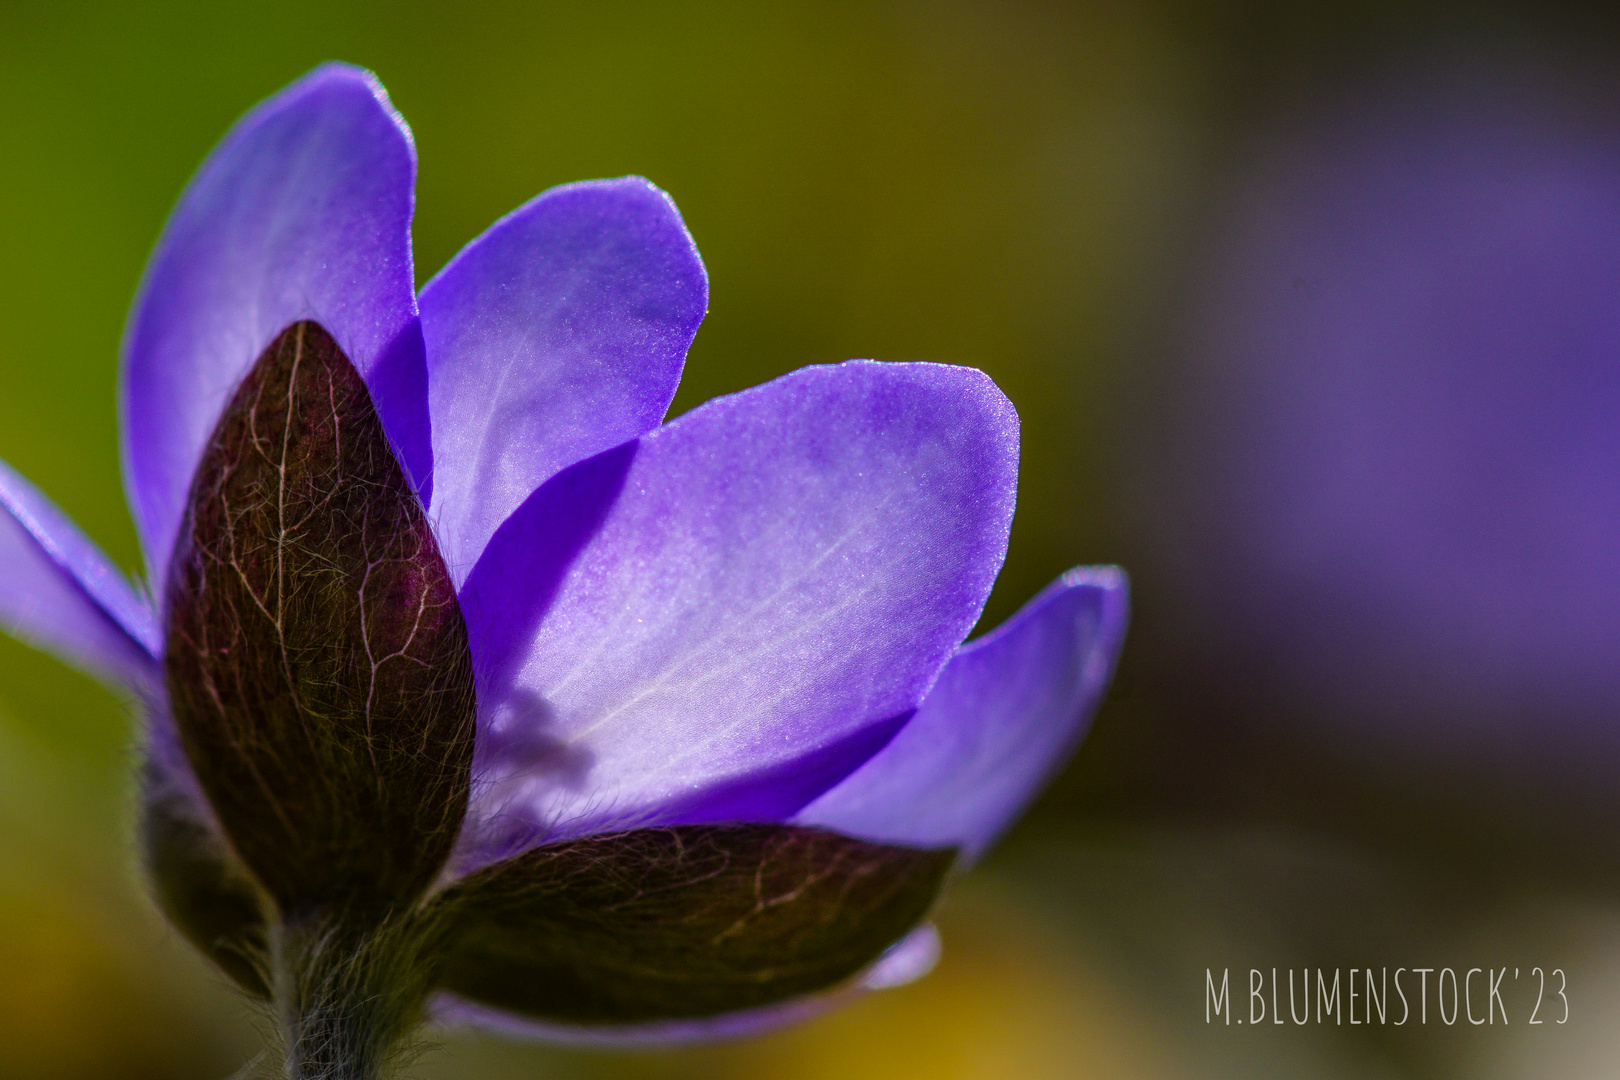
x=1016, y=186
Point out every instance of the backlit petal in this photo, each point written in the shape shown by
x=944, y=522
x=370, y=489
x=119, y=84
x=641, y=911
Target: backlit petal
x=557, y=334
x=59, y=592
x=302, y=212
x=720, y=621
x=1005, y=714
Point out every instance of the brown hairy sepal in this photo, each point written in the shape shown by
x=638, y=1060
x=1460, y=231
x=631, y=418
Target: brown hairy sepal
x=320, y=681
x=317, y=662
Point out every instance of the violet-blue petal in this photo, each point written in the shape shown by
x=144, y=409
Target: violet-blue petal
x=302, y=212
x=778, y=580
x=61, y=594
x=165, y=758
x=907, y=960
x=448, y=1010
x=1005, y=714
x=557, y=334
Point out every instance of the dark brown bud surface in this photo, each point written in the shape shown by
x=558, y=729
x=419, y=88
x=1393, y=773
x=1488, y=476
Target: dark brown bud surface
x=317, y=662
x=200, y=885
x=680, y=922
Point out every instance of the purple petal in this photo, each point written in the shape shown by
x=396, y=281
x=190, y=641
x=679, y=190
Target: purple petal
x=782, y=572
x=907, y=960
x=450, y=1011
x=302, y=212
x=557, y=334
x=60, y=593
x=1005, y=714
x=165, y=758
x=165, y=771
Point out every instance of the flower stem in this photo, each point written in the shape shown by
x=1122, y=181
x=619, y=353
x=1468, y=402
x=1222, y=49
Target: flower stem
x=346, y=1000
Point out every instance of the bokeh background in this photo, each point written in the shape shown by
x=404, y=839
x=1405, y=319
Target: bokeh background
x=1312, y=314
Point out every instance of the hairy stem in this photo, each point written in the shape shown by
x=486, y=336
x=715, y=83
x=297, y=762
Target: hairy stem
x=347, y=1000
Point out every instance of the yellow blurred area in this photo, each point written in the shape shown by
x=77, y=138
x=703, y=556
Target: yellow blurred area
x=90, y=983
x=1012, y=999
x=61, y=969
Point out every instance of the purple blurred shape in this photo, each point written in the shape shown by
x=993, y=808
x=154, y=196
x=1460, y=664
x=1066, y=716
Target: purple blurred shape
x=1400, y=474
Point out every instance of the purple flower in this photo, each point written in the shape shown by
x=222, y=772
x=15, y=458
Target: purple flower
x=470, y=683
x=1401, y=455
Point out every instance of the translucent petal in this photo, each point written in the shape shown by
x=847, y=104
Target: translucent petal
x=720, y=621
x=557, y=334
x=302, y=212
x=1006, y=713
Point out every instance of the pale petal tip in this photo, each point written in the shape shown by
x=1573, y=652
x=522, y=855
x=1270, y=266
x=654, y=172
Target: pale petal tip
x=1108, y=577
x=906, y=961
